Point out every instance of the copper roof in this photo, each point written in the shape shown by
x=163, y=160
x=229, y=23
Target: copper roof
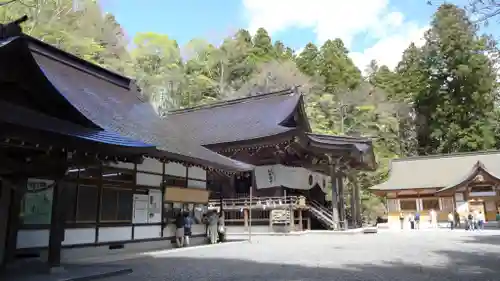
x=109, y=101
x=238, y=119
x=438, y=171
x=24, y=117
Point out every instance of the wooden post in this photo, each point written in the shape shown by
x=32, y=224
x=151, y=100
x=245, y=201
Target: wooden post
x=245, y=218
x=162, y=186
x=334, y=183
x=301, y=223
x=342, y=216
x=309, y=222
x=353, y=206
x=270, y=220
x=18, y=189
x=56, y=235
x=357, y=197
x=292, y=219
x=5, y=198
x=250, y=205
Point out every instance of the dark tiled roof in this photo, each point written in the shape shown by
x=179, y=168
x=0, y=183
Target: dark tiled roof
x=361, y=145
x=237, y=120
x=107, y=100
x=21, y=116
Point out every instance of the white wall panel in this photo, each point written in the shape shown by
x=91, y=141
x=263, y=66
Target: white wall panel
x=147, y=232
x=198, y=229
x=32, y=238
x=197, y=173
x=175, y=169
x=76, y=236
x=169, y=230
x=122, y=165
x=149, y=179
x=109, y=234
x=197, y=184
x=150, y=165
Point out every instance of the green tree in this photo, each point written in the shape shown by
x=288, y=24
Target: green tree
x=308, y=60
x=336, y=68
x=455, y=106
x=158, y=68
x=86, y=33
x=262, y=45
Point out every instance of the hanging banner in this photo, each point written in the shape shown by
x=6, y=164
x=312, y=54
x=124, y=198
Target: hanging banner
x=290, y=177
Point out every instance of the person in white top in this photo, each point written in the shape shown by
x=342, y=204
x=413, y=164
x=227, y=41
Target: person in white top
x=433, y=216
x=480, y=220
x=451, y=220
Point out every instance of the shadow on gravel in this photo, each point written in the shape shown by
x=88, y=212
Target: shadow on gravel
x=463, y=266
x=493, y=240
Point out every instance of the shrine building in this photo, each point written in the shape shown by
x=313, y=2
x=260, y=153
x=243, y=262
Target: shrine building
x=272, y=132
x=88, y=168
x=462, y=182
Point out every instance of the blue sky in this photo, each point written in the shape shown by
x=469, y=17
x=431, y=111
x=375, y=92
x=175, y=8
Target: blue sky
x=372, y=29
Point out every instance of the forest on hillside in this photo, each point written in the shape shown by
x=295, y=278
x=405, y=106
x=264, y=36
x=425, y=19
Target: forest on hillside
x=441, y=98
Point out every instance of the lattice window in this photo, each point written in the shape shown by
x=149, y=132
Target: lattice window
x=447, y=203
x=408, y=204
x=393, y=205
x=430, y=204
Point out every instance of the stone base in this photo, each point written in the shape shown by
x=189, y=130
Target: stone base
x=370, y=230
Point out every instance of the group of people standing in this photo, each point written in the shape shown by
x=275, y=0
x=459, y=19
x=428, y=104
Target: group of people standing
x=214, y=227
x=414, y=219
x=473, y=220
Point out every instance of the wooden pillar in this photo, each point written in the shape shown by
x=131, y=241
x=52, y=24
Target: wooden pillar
x=5, y=198
x=245, y=218
x=292, y=219
x=353, y=205
x=271, y=220
x=357, y=204
x=162, y=186
x=309, y=221
x=18, y=189
x=334, y=183
x=342, y=216
x=56, y=235
x=301, y=223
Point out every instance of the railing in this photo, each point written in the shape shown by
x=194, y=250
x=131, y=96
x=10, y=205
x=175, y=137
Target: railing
x=323, y=209
x=323, y=214
x=323, y=217
x=269, y=202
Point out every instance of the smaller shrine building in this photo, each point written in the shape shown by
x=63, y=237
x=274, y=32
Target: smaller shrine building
x=462, y=182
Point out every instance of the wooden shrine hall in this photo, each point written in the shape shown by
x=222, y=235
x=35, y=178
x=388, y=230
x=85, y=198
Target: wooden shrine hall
x=459, y=182
x=87, y=166
x=272, y=132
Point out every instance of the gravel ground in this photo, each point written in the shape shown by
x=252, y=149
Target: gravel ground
x=419, y=255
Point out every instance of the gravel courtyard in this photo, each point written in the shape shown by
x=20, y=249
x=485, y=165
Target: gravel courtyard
x=420, y=255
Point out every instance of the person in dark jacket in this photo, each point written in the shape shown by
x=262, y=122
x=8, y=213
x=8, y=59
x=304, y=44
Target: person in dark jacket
x=179, y=231
x=188, y=222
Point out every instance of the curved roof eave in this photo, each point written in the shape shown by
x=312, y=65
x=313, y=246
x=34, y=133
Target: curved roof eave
x=476, y=170
x=80, y=104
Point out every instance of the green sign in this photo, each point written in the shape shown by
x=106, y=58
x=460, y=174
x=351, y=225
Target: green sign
x=36, y=206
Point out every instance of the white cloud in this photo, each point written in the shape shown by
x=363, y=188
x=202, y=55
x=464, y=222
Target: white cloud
x=342, y=19
x=388, y=50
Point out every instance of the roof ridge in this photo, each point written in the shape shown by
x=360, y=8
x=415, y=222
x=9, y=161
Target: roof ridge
x=449, y=155
x=62, y=56
x=234, y=101
x=346, y=137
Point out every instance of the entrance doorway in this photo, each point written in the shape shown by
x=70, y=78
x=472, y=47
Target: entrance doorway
x=477, y=206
